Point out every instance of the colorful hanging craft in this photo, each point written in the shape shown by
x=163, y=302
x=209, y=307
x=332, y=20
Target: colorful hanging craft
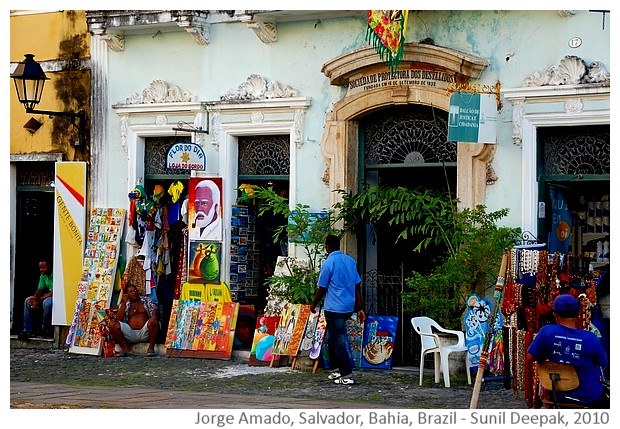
x=386, y=32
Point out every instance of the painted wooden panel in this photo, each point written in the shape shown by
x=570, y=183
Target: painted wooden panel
x=379, y=338
x=264, y=338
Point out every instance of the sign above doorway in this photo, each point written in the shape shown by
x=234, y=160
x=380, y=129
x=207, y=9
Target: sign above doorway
x=186, y=156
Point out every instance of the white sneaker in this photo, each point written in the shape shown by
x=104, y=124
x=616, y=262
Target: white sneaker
x=334, y=375
x=343, y=380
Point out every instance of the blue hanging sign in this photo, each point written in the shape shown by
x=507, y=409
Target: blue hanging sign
x=186, y=156
x=561, y=222
x=472, y=118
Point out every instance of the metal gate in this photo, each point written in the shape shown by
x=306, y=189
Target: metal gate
x=381, y=293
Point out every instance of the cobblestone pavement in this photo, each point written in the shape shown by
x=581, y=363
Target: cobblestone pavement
x=279, y=387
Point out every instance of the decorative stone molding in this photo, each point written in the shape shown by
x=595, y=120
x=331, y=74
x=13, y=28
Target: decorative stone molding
x=566, y=13
x=115, y=42
x=491, y=176
x=574, y=105
x=597, y=73
x=298, y=127
x=571, y=70
x=473, y=161
x=124, y=127
x=257, y=88
x=517, y=121
x=111, y=23
x=267, y=32
x=257, y=117
x=198, y=28
x=214, y=129
x=198, y=119
x=161, y=120
x=161, y=92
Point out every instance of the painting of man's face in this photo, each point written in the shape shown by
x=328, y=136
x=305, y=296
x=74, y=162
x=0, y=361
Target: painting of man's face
x=205, y=208
x=204, y=204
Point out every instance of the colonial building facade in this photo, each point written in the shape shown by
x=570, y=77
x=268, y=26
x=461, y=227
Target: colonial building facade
x=300, y=100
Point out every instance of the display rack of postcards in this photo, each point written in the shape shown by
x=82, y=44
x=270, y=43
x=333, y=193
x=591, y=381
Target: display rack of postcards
x=243, y=255
x=97, y=282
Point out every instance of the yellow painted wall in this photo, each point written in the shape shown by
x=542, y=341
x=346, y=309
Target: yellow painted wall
x=50, y=36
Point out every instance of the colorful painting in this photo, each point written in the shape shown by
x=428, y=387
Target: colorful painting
x=319, y=335
x=290, y=329
x=378, y=344
x=355, y=334
x=205, y=208
x=476, y=324
x=204, y=262
x=202, y=329
x=97, y=281
x=308, y=338
x=264, y=338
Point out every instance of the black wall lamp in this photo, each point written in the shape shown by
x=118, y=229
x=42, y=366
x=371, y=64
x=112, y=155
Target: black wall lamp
x=29, y=80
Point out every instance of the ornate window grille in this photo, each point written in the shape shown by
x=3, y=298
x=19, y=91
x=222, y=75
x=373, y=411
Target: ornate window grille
x=575, y=150
x=264, y=156
x=411, y=135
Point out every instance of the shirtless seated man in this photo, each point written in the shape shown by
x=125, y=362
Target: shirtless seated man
x=136, y=321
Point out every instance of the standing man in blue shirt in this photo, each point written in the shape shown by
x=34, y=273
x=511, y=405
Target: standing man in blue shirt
x=339, y=282
x=42, y=299
x=566, y=342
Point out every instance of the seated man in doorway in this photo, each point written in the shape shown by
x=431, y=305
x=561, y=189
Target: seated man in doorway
x=566, y=342
x=41, y=300
x=136, y=321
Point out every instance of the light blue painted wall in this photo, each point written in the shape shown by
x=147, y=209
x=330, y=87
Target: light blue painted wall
x=538, y=39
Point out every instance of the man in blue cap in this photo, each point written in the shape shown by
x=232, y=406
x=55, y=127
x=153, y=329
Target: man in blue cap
x=566, y=342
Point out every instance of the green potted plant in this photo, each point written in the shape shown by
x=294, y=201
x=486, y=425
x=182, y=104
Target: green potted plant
x=294, y=279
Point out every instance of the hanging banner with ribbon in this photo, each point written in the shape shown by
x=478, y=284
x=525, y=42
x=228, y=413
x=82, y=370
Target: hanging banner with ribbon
x=386, y=32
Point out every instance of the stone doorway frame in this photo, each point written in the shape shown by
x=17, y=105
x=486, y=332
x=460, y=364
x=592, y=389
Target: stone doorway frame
x=340, y=140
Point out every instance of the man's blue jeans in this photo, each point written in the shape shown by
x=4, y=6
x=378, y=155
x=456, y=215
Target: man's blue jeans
x=29, y=315
x=338, y=343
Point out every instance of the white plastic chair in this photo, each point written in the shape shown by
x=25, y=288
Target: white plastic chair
x=429, y=330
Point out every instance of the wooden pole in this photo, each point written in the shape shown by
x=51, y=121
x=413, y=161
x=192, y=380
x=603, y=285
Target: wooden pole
x=497, y=295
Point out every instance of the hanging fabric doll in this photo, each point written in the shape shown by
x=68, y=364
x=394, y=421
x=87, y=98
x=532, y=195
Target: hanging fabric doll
x=174, y=208
x=136, y=195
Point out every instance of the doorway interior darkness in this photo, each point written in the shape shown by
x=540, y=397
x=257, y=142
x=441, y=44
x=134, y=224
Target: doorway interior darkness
x=34, y=237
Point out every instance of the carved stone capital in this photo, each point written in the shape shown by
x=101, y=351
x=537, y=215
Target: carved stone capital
x=267, y=32
x=115, y=42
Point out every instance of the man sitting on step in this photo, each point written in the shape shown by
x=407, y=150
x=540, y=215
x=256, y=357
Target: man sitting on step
x=136, y=321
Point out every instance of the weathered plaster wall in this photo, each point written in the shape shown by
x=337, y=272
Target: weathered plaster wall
x=516, y=43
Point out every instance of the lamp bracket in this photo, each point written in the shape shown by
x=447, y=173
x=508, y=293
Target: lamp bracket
x=78, y=120
x=184, y=126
